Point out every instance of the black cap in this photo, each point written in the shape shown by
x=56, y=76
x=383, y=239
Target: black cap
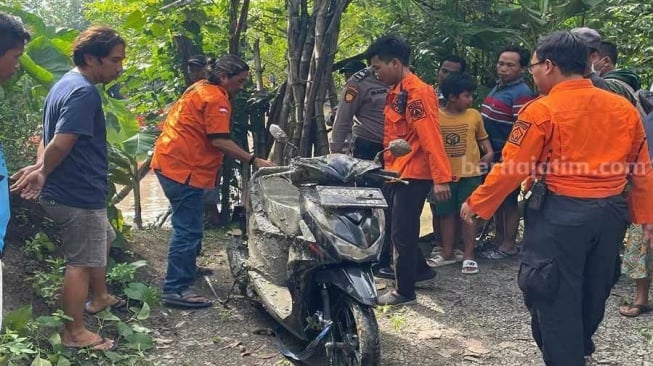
x=352, y=66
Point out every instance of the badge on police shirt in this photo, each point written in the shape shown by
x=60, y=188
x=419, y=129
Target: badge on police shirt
x=519, y=130
x=416, y=110
x=350, y=94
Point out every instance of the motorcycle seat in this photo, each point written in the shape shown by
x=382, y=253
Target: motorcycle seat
x=281, y=203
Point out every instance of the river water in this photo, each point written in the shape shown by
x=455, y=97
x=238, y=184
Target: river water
x=154, y=204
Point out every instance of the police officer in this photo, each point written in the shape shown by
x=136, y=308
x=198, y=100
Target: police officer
x=577, y=208
x=592, y=40
x=360, y=112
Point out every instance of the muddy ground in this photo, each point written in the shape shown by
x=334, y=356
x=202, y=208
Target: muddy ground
x=458, y=319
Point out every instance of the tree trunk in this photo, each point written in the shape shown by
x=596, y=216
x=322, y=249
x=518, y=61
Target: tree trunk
x=258, y=69
x=312, y=43
x=185, y=48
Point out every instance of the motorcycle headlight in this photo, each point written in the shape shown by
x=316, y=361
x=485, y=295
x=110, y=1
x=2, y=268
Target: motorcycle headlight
x=356, y=234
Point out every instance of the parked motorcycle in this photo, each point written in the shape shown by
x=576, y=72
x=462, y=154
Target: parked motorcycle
x=311, y=233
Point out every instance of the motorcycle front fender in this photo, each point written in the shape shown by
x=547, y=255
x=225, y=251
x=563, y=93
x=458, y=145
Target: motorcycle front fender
x=355, y=281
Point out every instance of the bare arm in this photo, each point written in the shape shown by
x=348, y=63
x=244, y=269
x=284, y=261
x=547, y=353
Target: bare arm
x=30, y=184
x=232, y=149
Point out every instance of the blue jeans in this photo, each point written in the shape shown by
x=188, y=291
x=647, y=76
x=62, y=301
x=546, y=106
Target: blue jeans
x=186, y=239
x=4, y=199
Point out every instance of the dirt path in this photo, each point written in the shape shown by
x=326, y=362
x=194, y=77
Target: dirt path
x=458, y=320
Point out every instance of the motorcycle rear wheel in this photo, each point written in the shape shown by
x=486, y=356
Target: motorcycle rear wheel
x=355, y=326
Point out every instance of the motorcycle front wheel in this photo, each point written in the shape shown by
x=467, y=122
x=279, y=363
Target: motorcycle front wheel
x=355, y=334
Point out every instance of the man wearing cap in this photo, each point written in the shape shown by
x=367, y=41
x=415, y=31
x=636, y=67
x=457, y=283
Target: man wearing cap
x=360, y=112
x=592, y=40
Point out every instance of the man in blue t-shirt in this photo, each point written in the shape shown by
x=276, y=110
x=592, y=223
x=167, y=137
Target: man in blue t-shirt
x=499, y=111
x=70, y=179
x=13, y=37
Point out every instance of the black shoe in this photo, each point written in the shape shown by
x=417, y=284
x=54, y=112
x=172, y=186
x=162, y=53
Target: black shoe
x=384, y=272
x=428, y=275
x=393, y=299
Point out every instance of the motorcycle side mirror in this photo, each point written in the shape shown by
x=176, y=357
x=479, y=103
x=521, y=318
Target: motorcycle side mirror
x=278, y=134
x=398, y=147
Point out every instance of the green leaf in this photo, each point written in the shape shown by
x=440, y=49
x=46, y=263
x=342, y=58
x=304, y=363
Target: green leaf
x=115, y=357
x=136, y=290
x=40, y=74
x=107, y=315
x=49, y=321
x=139, y=145
x=124, y=329
x=55, y=339
x=18, y=319
x=140, y=341
x=138, y=264
x=144, y=313
x=135, y=20
x=157, y=30
x=38, y=361
x=64, y=361
x=50, y=56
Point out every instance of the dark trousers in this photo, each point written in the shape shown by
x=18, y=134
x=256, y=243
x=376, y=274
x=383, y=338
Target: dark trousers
x=186, y=239
x=569, y=265
x=407, y=204
x=366, y=149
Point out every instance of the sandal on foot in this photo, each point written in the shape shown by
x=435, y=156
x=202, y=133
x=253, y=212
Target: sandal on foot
x=470, y=266
x=118, y=304
x=635, y=310
x=439, y=260
x=185, y=299
x=95, y=346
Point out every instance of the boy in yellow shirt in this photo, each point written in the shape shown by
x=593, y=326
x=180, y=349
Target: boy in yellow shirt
x=462, y=131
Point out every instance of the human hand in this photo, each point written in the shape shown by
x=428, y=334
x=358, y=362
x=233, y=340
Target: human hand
x=261, y=163
x=30, y=185
x=442, y=192
x=466, y=213
x=20, y=175
x=648, y=234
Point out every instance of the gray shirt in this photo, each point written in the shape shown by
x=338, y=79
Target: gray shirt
x=360, y=110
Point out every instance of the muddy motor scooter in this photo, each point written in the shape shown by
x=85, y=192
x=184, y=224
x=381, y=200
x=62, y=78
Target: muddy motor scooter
x=311, y=232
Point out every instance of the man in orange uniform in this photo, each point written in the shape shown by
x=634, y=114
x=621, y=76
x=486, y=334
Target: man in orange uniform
x=411, y=113
x=580, y=142
x=187, y=156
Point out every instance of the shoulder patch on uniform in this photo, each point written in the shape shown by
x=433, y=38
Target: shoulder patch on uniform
x=362, y=74
x=416, y=110
x=350, y=94
x=530, y=102
x=519, y=130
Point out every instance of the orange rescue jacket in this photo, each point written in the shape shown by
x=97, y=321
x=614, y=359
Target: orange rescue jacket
x=419, y=126
x=591, y=138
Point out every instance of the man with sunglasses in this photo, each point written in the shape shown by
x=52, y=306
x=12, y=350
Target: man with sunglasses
x=499, y=111
x=583, y=145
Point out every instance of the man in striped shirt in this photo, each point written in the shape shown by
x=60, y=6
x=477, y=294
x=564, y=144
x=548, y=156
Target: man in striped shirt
x=499, y=113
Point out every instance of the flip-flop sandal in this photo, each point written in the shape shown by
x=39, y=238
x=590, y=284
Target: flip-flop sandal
x=119, y=304
x=93, y=346
x=470, y=266
x=439, y=260
x=640, y=309
x=183, y=300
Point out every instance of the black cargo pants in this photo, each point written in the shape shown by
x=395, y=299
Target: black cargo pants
x=568, y=267
x=407, y=204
